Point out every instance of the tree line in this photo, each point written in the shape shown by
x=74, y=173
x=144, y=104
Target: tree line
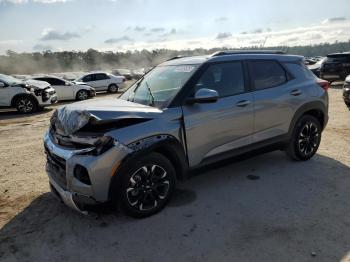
x=66, y=61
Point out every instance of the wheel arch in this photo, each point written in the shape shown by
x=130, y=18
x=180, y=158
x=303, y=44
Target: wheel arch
x=315, y=108
x=166, y=145
x=13, y=100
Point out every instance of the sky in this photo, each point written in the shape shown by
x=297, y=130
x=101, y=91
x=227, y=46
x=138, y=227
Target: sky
x=121, y=25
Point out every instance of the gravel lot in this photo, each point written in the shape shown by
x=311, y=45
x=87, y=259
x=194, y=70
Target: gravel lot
x=294, y=211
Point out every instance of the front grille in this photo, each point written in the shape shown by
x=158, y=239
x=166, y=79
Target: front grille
x=57, y=168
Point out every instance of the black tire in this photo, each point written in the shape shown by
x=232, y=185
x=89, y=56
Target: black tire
x=306, y=138
x=146, y=185
x=113, y=88
x=82, y=95
x=26, y=104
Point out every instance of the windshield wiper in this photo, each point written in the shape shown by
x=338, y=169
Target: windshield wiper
x=151, y=94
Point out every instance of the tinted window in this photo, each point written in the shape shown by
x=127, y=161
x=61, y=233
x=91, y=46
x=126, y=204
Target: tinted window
x=101, y=77
x=88, y=78
x=52, y=81
x=266, y=74
x=226, y=78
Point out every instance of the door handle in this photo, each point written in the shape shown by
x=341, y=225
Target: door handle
x=295, y=92
x=243, y=103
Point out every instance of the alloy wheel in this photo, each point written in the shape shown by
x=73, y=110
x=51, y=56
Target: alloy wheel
x=82, y=95
x=308, y=139
x=147, y=187
x=25, y=105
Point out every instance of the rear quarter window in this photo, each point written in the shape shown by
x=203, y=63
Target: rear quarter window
x=266, y=74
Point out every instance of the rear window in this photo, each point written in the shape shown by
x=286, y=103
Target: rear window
x=266, y=74
x=101, y=77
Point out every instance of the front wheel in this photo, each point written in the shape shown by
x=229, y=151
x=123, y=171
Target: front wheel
x=113, y=88
x=146, y=185
x=305, y=139
x=26, y=104
x=82, y=95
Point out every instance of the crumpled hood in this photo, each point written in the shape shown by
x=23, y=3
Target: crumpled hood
x=37, y=84
x=70, y=118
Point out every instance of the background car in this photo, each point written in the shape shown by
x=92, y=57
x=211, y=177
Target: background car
x=26, y=96
x=336, y=67
x=346, y=91
x=67, y=90
x=316, y=68
x=123, y=72
x=102, y=81
x=137, y=73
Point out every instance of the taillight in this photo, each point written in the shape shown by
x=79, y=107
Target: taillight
x=323, y=83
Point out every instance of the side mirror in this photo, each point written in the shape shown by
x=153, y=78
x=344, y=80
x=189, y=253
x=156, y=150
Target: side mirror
x=2, y=84
x=67, y=84
x=204, y=95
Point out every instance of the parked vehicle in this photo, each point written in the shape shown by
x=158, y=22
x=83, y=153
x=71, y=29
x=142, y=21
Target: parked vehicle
x=137, y=73
x=67, y=90
x=101, y=81
x=123, y=72
x=26, y=96
x=316, y=68
x=185, y=113
x=336, y=67
x=346, y=91
x=310, y=61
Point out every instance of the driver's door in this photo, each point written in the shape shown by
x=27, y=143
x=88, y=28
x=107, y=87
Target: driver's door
x=224, y=125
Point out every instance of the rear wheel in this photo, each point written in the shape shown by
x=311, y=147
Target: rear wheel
x=82, y=95
x=113, y=88
x=305, y=139
x=26, y=104
x=146, y=185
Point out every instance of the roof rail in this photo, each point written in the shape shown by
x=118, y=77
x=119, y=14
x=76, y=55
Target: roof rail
x=175, y=57
x=246, y=52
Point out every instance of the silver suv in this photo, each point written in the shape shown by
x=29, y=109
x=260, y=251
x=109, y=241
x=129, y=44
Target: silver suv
x=183, y=114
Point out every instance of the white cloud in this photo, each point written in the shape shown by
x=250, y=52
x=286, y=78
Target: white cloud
x=315, y=34
x=52, y=34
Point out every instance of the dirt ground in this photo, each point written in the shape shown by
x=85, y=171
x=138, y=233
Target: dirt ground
x=292, y=211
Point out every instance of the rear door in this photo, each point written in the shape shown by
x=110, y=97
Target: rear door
x=274, y=96
x=102, y=81
x=227, y=124
x=90, y=80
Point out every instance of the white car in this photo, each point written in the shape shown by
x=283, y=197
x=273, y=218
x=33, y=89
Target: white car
x=67, y=90
x=102, y=81
x=27, y=96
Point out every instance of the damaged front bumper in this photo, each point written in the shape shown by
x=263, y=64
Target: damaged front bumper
x=75, y=192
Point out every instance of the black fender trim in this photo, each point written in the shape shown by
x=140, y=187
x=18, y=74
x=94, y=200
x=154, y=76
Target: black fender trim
x=166, y=145
x=310, y=106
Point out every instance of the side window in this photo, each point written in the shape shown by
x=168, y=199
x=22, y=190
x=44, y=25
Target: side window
x=101, y=77
x=266, y=74
x=55, y=82
x=88, y=78
x=226, y=78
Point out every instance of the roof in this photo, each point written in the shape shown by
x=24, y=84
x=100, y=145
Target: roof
x=233, y=55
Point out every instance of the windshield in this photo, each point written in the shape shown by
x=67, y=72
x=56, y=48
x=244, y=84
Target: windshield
x=10, y=80
x=160, y=85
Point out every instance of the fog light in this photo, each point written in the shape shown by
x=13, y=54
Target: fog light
x=82, y=174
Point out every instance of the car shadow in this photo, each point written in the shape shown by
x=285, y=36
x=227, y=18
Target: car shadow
x=264, y=206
